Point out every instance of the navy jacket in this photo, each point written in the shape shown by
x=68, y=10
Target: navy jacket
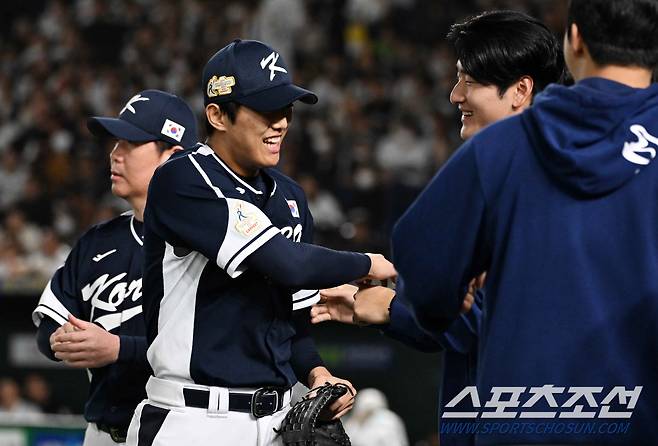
x=559, y=206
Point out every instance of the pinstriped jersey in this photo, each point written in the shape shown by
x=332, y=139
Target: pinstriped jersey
x=210, y=319
x=101, y=282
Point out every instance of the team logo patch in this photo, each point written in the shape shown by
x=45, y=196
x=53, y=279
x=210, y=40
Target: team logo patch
x=294, y=210
x=220, y=86
x=173, y=130
x=248, y=223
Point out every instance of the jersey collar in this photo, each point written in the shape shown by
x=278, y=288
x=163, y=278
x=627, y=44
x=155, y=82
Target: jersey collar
x=208, y=151
x=139, y=238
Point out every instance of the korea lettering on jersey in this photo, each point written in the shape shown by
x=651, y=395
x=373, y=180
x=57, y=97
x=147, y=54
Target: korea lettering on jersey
x=101, y=280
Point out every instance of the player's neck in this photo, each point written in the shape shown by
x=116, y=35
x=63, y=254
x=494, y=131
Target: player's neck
x=138, y=205
x=633, y=76
x=231, y=160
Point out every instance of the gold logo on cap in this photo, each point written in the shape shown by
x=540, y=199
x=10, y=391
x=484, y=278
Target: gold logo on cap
x=220, y=86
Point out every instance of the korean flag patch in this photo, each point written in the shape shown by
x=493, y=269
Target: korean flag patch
x=173, y=130
x=294, y=210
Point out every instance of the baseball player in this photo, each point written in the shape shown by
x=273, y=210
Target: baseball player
x=229, y=273
x=90, y=313
x=504, y=59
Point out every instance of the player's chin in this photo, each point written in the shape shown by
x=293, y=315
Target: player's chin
x=271, y=159
x=467, y=131
x=119, y=190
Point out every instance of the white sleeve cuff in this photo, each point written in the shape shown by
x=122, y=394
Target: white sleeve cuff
x=50, y=306
x=305, y=298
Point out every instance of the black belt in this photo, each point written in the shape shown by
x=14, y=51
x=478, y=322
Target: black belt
x=118, y=434
x=264, y=401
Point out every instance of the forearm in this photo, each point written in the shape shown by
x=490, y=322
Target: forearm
x=404, y=328
x=462, y=335
x=304, y=354
x=301, y=265
x=46, y=329
x=132, y=349
x=439, y=244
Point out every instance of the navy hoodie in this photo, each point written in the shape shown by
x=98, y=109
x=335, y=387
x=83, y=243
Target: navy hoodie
x=560, y=206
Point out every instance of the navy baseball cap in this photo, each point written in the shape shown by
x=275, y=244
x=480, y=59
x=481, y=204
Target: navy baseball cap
x=151, y=115
x=253, y=74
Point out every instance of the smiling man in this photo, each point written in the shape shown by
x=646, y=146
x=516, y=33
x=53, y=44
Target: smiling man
x=90, y=314
x=504, y=59
x=229, y=268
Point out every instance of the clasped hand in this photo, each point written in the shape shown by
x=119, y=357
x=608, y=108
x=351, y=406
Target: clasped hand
x=83, y=344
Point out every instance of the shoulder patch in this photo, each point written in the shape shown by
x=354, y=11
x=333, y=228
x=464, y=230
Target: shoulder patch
x=248, y=222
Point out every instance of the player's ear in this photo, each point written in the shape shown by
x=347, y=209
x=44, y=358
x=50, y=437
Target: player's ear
x=523, y=92
x=575, y=39
x=216, y=117
x=165, y=154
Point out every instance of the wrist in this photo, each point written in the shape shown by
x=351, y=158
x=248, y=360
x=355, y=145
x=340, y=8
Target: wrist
x=390, y=305
x=370, y=263
x=317, y=374
x=388, y=302
x=116, y=348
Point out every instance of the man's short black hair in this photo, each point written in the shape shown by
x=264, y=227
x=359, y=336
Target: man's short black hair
x=231, y=110
x=499, y=47
x=618, y=32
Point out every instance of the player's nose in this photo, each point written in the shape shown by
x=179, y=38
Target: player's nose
x=457, y=94
x=117, y=151
x=280, y=119
x=280, y=125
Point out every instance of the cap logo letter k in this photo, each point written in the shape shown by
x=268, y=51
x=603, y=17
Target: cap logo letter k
x=129, y=105
x=272, y=58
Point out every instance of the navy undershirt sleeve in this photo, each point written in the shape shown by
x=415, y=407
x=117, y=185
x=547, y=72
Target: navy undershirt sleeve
x=132, y=349
x=305, y=355
x=46, y=328
x=403, y=327
x=301, y=265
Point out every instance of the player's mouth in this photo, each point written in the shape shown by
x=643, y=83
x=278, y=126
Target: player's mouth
x=466, y=114
x=115, y=175
x=273, y=143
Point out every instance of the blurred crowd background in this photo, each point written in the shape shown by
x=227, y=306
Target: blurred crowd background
x=383, y=126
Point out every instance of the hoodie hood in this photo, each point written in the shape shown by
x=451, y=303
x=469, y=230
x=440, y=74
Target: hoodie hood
x=595, y=136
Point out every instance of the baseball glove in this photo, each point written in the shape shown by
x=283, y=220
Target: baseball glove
x=303, y=425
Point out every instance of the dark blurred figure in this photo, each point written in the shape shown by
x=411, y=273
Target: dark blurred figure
x=35, y=204
x=11, y=401
x=38, y=392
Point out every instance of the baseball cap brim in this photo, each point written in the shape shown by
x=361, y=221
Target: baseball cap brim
x=278, y=97
x=118, y=128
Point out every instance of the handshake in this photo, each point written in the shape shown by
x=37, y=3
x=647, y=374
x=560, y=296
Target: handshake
x=360, y=305
x=367, y=304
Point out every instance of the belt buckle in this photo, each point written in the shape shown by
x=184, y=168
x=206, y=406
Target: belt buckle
x=117, y=435
x=260, y=399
